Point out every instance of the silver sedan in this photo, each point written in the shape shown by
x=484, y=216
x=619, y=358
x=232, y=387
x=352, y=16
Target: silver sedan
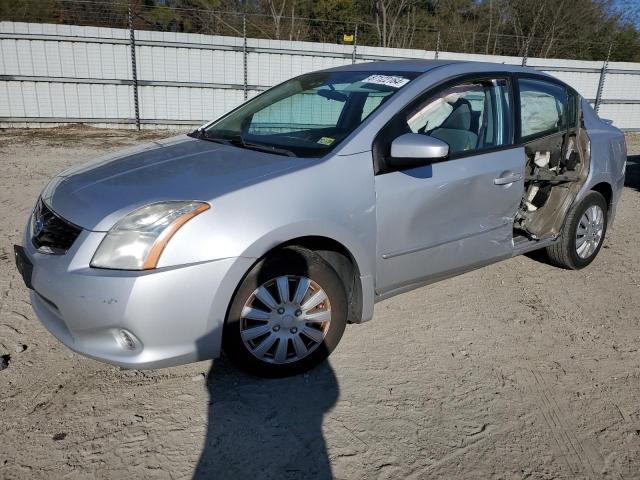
x=270, y=229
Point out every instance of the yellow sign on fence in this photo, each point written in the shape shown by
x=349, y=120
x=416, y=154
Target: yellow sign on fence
x=347, y=38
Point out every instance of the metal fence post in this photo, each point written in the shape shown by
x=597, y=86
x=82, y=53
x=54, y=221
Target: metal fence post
x=244, y=54
x=437, y=45
x=355, y=44
x=134, y=72
x=603, y=75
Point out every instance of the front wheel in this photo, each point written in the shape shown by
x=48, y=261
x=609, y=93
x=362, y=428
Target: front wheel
x=582, y=235
x=287, y=315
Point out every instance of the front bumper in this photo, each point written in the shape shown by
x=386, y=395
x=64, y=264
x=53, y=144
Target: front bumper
x=171, y=315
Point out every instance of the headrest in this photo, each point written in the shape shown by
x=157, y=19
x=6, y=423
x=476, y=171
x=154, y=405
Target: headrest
x=460, y=117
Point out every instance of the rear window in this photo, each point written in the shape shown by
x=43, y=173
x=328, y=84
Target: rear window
x=542, y=108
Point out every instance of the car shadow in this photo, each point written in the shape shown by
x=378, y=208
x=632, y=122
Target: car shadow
x=539, y=256
x=266, y=428
x=632, y=177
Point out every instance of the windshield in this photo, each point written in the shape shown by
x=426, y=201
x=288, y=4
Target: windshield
x=309, y=115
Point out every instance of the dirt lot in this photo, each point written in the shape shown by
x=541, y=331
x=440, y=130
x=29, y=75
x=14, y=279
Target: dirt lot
x=518, y=370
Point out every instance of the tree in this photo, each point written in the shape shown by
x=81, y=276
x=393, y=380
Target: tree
x=581, y=29
x=342, y=15
x=276, y=9
x=395, y=22
x=24, y=11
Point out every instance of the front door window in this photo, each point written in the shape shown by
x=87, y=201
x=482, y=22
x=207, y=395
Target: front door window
x=472, y=116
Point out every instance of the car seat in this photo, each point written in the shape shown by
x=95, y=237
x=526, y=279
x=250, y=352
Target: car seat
x=456, y=129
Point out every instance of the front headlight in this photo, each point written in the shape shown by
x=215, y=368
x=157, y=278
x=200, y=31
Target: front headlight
x=136, y=241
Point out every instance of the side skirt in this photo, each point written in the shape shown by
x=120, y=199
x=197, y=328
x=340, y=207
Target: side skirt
x=523, y=245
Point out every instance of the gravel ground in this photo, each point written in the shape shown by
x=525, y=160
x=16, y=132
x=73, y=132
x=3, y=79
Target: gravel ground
x=517, y=370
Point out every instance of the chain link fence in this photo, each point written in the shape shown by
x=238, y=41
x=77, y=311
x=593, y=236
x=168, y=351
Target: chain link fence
x=254, y=51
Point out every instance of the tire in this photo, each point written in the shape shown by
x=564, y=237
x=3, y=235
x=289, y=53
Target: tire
x=564, y=253
x=298, y=328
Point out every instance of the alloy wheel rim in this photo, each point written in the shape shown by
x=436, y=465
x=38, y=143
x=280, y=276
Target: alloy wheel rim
x=589, y=231
x=285, y=319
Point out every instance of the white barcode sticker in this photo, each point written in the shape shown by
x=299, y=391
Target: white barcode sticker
x=394, y=81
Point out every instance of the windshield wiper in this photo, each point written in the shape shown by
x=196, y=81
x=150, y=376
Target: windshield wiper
x=270, y=149
x=197, y=133
x=202, y=135
x=238, y=141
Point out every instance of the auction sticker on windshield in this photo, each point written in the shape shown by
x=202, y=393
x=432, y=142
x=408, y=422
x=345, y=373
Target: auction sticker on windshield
x=394, y=81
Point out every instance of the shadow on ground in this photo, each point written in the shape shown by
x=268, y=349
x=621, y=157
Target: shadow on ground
x=266, y=428
x=632, y=177
x=272, y=429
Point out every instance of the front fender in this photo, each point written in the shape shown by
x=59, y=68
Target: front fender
x=354, y=246
x=332, y=197
x=288, y=233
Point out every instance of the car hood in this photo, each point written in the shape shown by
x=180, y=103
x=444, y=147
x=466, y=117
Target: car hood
x=96, y=195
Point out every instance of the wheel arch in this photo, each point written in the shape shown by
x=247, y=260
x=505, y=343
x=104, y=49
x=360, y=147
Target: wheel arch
x=606, y=190
x=342, y=261
x=359, y=288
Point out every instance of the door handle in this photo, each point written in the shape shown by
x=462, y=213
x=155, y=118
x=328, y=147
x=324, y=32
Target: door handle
x=514, y=177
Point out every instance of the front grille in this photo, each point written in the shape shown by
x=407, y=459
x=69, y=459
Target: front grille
x=52, y=234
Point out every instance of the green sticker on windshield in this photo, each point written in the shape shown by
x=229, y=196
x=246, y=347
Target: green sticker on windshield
x=326, y=141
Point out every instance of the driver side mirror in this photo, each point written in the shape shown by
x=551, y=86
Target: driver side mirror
x=414, y=150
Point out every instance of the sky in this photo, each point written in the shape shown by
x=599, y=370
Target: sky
x=630, y=9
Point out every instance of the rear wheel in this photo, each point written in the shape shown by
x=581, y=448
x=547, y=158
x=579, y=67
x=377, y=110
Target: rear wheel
x=287, y=316
x=582, y=235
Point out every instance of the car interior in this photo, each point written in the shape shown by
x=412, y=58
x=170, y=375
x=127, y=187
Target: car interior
x=460, y=128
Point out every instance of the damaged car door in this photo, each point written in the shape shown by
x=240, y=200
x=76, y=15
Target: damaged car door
x=449, y=214
x=555, y=149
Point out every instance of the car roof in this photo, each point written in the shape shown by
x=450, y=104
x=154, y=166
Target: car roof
x=423, y=66
x=393, y=65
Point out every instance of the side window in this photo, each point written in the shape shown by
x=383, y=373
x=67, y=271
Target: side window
x=373, y=101
x=472, y=116
x=542, y=107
